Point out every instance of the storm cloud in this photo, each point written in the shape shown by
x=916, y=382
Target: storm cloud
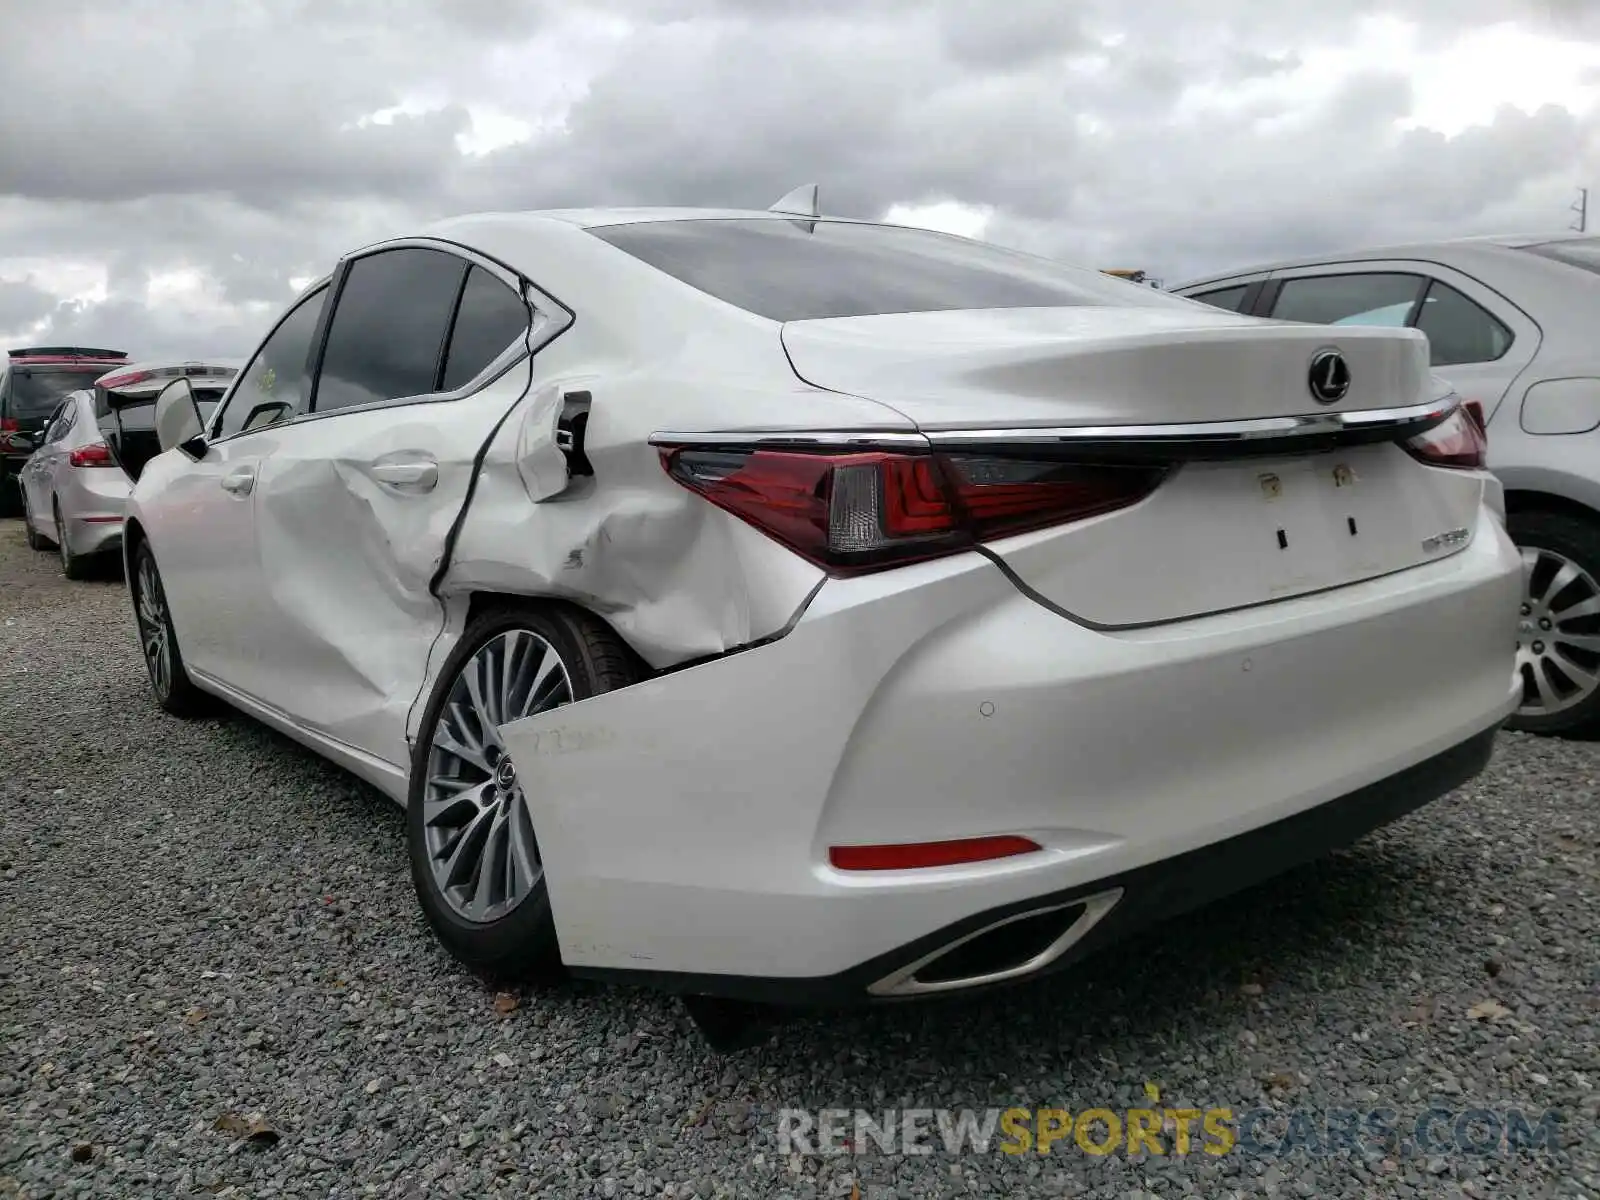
x=172, y=170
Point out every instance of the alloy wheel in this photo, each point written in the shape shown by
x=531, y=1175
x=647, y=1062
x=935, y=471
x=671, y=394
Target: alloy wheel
x=1558, y=633
x=150, y=609
x=480, y=841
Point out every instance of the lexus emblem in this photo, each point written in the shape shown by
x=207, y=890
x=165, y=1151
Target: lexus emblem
x=1329, y=377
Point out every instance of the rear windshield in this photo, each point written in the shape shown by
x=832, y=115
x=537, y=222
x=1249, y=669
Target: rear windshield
x=800, y=270
x=1575, y=252
x=35, y=391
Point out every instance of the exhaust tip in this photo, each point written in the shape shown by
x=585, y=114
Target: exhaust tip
x=1010, y=948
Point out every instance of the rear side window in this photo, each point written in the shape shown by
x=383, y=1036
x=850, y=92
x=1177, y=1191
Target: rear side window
x=388, y=330
x=275, y=385
x=802, y=270
x=1460, y=330
x=1230, y=298
x=1375, y=299
x=490, y=317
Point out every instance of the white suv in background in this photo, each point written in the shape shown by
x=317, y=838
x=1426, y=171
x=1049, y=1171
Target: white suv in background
x=1512, y=323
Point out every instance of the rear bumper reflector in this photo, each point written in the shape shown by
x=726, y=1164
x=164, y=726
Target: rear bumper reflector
x=910, y=856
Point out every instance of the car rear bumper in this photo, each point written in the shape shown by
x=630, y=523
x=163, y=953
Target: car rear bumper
x=1039, y=933
x=93, y=502
x=685, y=822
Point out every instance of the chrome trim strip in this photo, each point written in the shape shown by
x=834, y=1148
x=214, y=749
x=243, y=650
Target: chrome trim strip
x=903, y=982
x=792, y=437
x=1252, y=429
x=1369, y=424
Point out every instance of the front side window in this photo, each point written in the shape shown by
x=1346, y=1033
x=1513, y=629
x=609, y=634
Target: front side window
x=387, y=335
x=1377, y=299
x=276, y=384
x=803, y=270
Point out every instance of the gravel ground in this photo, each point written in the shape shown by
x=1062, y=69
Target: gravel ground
x=203, y=926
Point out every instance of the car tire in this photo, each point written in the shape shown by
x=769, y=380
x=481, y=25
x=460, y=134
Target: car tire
x=73, y=566
x=499, y=925
x=170, y=682
x=1552, y=544
x=36, y=540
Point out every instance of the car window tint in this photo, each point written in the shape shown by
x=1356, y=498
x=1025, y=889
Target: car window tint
x=388, y=327
x=801, y=270
x=491, y=316
x=275, y=385
x=1460, y=330
x=1229, y=298
x=1375, y=299
x=62, y=422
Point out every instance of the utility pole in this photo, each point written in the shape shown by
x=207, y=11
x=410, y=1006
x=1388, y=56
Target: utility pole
x=1581, y=207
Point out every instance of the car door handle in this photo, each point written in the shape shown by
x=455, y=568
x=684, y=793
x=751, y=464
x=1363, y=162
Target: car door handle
x=407, y=474
x=239, y=481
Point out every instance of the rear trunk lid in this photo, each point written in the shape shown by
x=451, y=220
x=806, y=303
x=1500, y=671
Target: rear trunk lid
x=1279, y=483
x=1098, y=366
x=125, y=406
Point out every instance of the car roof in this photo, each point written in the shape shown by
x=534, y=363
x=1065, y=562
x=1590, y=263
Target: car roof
x=596, y=218
x=1492, y=242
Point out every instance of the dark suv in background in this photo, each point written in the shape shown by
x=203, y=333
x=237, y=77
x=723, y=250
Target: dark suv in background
x=32, y=382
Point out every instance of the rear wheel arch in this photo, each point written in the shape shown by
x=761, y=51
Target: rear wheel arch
x=521, y=941
x=133, y=536
x=479, y=603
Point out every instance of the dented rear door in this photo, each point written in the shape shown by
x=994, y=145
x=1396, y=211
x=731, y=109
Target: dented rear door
x=356, y=505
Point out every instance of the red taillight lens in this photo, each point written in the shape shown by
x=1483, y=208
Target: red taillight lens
x=124, y=380
x=1458, y=441
x=911, y=856
x=9, y=425
x=863, y=511
x=96, y=454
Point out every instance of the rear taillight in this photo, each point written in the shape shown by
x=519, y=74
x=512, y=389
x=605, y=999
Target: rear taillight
x=95, y=454
x=124, y=380
x=855, y=511
x=1458, y=441
x=9, y=425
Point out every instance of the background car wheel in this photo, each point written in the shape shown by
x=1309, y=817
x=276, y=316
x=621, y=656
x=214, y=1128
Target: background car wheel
x=158, y=642
x=1558, y=632
x=474, y=854
x=36, y=540
x=73, y=566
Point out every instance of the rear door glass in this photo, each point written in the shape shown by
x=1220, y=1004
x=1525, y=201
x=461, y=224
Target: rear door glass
x=489, y=318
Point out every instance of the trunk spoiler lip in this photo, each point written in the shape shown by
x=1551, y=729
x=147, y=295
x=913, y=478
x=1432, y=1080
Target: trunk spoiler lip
x=1304, y=433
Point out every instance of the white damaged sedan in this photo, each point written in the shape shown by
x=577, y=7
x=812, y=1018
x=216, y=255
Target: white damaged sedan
x=781, y=608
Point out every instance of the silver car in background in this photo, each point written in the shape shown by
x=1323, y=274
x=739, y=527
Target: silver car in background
x=73, y=494
x=1512, y=322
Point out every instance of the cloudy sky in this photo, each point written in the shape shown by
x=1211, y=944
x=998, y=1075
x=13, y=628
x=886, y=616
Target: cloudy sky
x=171, y=170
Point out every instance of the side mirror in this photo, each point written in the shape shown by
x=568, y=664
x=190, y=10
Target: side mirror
x=178, y=421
